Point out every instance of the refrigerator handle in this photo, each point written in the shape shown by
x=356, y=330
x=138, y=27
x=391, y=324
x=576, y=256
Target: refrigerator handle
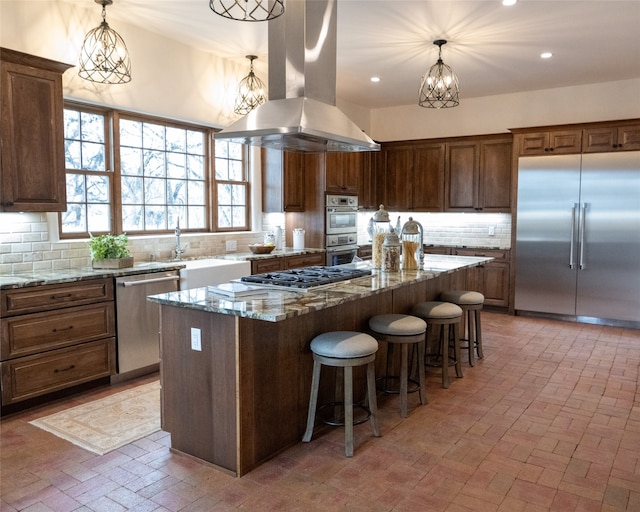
x=573, y=235
x=583, y=222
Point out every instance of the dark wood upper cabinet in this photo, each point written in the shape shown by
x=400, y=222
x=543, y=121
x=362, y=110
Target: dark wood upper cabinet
x=494, y=180
x=344, y=173
x=283, y=181
x=461, y=175
x=32, y=163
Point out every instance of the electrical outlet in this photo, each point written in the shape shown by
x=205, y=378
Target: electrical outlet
x=492, y=230
x=231, y=245
x=196, y=339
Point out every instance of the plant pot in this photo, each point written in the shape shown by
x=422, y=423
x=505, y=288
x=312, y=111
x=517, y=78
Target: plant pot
x=113, y=263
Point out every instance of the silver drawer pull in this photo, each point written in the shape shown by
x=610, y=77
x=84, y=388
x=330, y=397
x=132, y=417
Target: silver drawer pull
x=147, y=281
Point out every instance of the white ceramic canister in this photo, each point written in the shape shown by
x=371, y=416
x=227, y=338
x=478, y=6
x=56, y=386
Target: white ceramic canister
x=279, y=235
x=298, y=239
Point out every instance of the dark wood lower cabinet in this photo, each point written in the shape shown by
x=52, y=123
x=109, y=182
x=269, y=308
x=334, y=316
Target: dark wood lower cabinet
x=490, y=279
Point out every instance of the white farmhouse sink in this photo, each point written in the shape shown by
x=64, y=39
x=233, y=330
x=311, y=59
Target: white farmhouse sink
x=199, y=273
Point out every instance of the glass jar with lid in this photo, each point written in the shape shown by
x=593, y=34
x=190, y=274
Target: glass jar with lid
x=411, y=239
x=391, y=250
x=380, y=229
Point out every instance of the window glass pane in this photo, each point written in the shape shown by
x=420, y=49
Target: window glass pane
x=239, y=216
x=154, y=164
x=197, y=217
x=130, y=133
x=98, y=189
x=176, y=192
x=99, y=218
x=176, y=139
x=176, y=167
x=132, y=218
x=132, y=191
x=224, y=217
x=236, y=150
x=222, y=169
x=224, y=193
x=195, y=142
x=155, y=218
x=131, y=161
x=154, y=192
x=222, y=148
x=71, y=124
x=76, y=191
x=236, y=170
x=238, y=194
x=74, y=219
x=177, y=212
x=93, y=156
x=72, y=154
x=196, y=192
x=92, y=126
x=153, y=136
x=195, y=167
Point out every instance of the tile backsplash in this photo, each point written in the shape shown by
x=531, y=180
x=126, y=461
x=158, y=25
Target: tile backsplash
x=27, y=242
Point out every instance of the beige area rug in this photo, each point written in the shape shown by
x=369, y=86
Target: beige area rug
x=108, y=423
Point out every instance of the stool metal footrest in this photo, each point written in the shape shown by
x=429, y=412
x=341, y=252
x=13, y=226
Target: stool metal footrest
x=337, y=420
x=395, y=390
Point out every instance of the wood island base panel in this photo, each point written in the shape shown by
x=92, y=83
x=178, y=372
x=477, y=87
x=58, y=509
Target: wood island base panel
x=236, y=375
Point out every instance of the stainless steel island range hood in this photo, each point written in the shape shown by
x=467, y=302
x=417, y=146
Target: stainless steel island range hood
x=301, y=114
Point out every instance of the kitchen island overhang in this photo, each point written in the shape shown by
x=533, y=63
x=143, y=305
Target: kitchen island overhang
x=240, y=396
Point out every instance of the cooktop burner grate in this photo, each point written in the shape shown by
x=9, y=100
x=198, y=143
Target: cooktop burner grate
x=307, y=277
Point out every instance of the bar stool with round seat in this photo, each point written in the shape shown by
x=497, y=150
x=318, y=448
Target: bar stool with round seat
x=471, y=304
x=447, y=316
x=344, y=349
x=406, y=330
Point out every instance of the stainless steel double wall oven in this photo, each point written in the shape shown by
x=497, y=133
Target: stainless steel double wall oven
x=341, y=229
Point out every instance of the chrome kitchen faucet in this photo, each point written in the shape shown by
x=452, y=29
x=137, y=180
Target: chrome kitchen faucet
x=179, y=250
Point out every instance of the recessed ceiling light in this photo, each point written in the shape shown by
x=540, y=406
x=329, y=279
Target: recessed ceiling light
x=546, y=55
x=509, y=2
x=375, y=78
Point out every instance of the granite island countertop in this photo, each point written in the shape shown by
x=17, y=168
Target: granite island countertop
x=279, y=305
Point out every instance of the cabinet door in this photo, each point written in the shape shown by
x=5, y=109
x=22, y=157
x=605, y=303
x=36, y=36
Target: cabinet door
x=32, y=134
x=494, y=192
x=395, y=183
x=304, y=260
x=282, y=181
x=427, y=179
x=343, y=172
x=601, y=140
x=559, y=142
x=267, y=265
x=461, y=177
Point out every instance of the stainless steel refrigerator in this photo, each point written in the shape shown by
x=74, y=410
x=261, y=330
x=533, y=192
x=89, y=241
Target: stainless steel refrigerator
x=578, y=236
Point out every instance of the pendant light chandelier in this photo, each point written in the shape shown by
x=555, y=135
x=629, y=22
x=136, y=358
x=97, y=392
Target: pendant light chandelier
x=248, y=10
x=251, y=91
x=104, y=57
x=439, y=87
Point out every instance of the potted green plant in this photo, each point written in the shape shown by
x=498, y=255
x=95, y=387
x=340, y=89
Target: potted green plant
x=110, y=251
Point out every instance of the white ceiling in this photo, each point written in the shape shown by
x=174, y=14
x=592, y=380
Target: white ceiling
x=493, y=49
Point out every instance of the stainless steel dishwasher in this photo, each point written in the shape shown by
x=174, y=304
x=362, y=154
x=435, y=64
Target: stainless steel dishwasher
x=138, y=321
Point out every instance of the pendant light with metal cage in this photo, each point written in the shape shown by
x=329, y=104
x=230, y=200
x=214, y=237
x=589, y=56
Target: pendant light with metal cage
x=439, y=87
x=104, y=57
x=251, y=91
x=248, y=10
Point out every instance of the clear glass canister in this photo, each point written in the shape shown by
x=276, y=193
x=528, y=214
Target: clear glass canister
x=411, y=239
x=391, y=250
x=380, y=229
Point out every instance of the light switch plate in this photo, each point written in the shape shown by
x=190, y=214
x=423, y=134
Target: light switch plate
x=231, y=246
x=196, y=339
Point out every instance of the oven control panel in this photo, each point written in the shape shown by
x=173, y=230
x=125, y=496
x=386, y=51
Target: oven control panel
x=346, y=239
x=349, y=201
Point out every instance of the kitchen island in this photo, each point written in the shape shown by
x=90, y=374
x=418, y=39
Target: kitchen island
x=236, y=374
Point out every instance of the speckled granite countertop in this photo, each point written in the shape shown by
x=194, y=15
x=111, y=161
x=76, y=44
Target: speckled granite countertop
x=70, y=275
x=279, y=305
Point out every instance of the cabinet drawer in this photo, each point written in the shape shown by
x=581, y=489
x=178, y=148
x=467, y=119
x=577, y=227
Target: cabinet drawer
x=267, y=265
x=32, y=376
x=55, y=296
x=305, y=260
x=38, y=332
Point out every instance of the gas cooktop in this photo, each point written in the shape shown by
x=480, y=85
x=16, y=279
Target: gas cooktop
x=307, y=277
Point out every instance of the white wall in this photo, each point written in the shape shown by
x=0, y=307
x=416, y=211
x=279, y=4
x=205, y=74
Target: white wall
x=497, y=114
